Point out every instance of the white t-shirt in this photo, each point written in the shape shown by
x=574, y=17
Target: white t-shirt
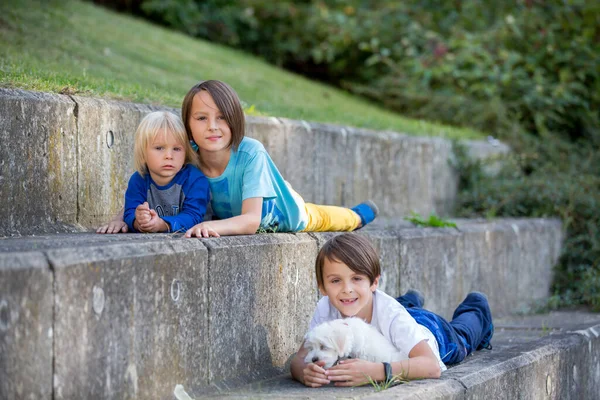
x=391, y=319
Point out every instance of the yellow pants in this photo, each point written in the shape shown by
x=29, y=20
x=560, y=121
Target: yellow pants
x=330, y=218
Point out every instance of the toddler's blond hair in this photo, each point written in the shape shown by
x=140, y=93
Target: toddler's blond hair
x=160, y=123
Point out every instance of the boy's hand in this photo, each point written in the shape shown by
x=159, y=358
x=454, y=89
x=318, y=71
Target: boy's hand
x=355, y=372
x=155, y=224
x=142, y=214
x=315, y=375
x=203, y=229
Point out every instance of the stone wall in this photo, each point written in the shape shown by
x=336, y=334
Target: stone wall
x=66, y=161
x=132, y=315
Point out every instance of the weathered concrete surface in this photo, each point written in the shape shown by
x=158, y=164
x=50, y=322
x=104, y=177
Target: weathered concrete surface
x=106, y=131
x=262, y=294
x=396, y=171
x=559, y=359
x=563, y=365
x=504, y=259
x=26, y=303
x=131, y=319
x=38, y=163
x=136, y=314
x=75, y=163
x=345, y=165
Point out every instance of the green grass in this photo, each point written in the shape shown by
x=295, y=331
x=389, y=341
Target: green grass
x=433, y=221
x=385, y=385
x=78, y=48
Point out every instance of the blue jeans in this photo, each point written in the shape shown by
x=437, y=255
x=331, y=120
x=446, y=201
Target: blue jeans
x=471, y=327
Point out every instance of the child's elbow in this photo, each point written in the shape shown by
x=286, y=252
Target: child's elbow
x=252, y=225
x=435, y=372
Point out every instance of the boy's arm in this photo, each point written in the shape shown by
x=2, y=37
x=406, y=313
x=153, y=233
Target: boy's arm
x=312, y=374
x=134, y=196
x=197, y=195
x=422, y=363
x=245, y=224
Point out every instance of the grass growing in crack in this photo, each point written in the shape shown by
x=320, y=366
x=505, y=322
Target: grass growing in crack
x=545, y=329
x=384, y=385
x=434, y=221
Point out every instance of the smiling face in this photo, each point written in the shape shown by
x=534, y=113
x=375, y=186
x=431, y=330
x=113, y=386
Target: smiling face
x=165, y=157
x=207, y=124
x=351, y=293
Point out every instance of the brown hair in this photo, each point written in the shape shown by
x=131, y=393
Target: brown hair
x=228, y=103
x=353, y=250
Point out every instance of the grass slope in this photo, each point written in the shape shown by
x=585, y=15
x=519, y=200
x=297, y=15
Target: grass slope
x=76, y=47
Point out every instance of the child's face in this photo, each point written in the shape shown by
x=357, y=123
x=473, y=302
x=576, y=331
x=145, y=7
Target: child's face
x=209, y=128
x=165, y=157
x=349, y=292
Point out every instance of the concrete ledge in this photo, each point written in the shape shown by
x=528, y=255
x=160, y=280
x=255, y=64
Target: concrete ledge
x=557, y=360
x=133, y=315
x=130, y=319
x=105, y=132
x=260, y=287
x=38, y=171
x=26, y=326
x=67, y=160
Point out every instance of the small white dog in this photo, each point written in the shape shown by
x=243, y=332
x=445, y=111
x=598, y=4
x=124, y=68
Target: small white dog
x=349, y=338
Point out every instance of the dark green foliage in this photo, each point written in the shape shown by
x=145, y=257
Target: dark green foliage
x=536, y=65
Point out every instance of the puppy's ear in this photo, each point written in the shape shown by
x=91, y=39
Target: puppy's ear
x=341, y=339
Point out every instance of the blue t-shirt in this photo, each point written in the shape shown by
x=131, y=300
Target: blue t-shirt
x=181, y=203
x=251, y=173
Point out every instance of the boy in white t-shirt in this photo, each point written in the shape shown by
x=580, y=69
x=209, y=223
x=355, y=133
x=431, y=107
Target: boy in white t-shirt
x=348, y=273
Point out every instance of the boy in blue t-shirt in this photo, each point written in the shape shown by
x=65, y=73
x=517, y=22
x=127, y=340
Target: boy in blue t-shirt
x=167, y=193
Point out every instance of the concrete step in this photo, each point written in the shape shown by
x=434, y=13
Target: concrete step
x=547, y=356
x=133, y=315
x=73, y=155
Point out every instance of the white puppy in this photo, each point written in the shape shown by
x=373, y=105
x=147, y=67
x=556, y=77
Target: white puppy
x=349, y=338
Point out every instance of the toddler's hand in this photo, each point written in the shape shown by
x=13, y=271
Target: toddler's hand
x=154, y=224
x=314, y=375
x=203, y=229
x=142, y=214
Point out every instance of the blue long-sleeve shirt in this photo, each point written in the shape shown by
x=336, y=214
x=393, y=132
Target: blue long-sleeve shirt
x=181, y=203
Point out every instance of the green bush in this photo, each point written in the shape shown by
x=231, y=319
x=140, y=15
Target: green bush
x=538, y=65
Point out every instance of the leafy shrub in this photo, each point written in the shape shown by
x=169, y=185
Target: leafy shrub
x=538, y=65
